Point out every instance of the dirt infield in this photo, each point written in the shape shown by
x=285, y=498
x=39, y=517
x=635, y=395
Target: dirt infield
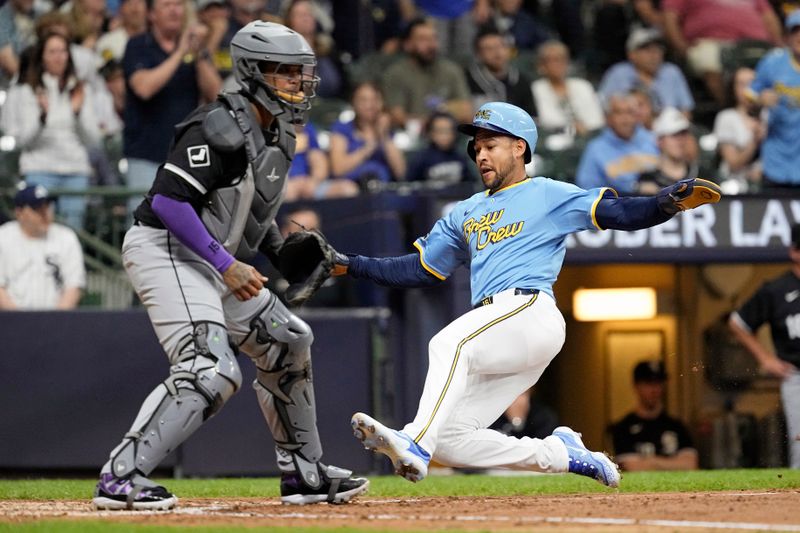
x=706, y=511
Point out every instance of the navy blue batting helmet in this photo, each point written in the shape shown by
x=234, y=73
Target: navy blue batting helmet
x=506, y=119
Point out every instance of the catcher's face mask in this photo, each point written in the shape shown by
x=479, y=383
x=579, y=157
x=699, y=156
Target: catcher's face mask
x=294, y=85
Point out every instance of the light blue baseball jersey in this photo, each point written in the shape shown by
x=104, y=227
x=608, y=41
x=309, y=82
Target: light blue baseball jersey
x=780, y=72
x=514, y=238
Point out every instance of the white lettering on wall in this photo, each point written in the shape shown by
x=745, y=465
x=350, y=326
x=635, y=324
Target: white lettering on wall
x=738, y=236
x=666, y=235
x=698, y=225
x=773, y=224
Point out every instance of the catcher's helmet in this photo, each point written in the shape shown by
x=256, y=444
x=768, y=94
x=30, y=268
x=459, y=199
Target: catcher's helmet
x=506, y=119
x=264, y=48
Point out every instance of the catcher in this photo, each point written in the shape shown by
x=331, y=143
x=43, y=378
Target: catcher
x=211, y=207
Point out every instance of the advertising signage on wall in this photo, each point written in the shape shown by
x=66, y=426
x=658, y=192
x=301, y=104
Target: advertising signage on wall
x=738, y=229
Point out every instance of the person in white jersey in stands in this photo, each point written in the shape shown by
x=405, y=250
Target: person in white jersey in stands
x=41, y=262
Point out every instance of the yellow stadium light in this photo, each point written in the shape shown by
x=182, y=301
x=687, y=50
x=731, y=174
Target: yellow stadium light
x=635, y=303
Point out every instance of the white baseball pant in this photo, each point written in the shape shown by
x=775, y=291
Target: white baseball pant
x=478, y=365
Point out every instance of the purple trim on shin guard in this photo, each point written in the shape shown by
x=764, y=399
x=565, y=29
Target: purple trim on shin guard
x=181, y=220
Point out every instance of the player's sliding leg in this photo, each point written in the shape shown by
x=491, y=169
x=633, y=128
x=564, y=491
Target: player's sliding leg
x=280, y=345
x=470, y=345
x=464, y=440
x=478, y=365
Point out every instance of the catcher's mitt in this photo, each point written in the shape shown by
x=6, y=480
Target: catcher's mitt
x=306, y=260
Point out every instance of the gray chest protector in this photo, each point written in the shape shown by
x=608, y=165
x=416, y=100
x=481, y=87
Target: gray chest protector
x=239, y=216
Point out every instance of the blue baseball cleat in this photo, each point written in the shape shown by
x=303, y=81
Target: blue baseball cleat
x=584, y=462
x=409, y=459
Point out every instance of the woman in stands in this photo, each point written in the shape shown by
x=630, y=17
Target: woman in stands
x=362, y=149
x=50, y=114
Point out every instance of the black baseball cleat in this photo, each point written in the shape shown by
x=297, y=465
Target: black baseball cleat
x=132, y=493
x=336, y=486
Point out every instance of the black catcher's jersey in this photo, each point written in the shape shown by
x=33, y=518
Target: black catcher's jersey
x=777, y=303
x=192, y=169
x=663, y=435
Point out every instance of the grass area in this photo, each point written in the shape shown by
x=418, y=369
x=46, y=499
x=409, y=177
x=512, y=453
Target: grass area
x=460, y=485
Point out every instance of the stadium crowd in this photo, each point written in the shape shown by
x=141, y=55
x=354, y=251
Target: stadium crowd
x=630, y=94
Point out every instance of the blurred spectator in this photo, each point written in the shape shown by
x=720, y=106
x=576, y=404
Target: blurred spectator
x=739, y=131
x=362, y=150
x=456, y=21
x=646, y=68
x=168, y=71
x=565, y=103
x=423, y=82
x=611, y=27
x=698, y=30
x=493, y=78
x=645, y=112
x=16, y=34
x=132, y=21
x=776, y=303
x=85, y=60
x=300, y=18
x=649, y=13
x=648, y=438
x=777, y=87
x=442, y=162
x=41, y=262
x=87, y=20
x=114, y=77
x=51, y=115
x=215, y=14
x=308, y=173
x=510, y=18
x=361, y=28
x=784, y=8
x=565, y=16
x=622, y=152
x=242, y=13
x=86, y=63
x=674, y=137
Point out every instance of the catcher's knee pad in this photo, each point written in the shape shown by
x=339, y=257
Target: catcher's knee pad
x=280, y=344
x=203, y=376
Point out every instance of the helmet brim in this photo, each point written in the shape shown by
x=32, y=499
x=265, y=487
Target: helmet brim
x=472, y=130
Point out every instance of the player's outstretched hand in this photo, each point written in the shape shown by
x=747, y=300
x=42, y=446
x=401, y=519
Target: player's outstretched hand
x=688, y=194
x=340, y=264
x=243, y=280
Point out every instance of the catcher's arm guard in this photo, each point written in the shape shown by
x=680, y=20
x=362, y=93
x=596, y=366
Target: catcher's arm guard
x=688, y=194
x=306, y=260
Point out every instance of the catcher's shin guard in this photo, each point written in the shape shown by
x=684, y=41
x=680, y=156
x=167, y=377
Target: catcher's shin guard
x=280, y=345
x=204, y=374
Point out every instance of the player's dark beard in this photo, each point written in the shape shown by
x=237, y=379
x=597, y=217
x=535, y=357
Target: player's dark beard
x=498, y=181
